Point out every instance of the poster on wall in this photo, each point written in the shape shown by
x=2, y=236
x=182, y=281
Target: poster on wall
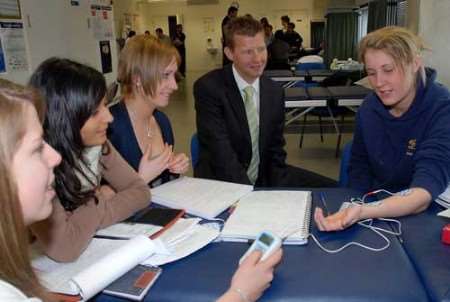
x=13, y=44
x=105, y=52
x=2, y=58
x=101, y=20
x=101, y=2
x=9, y=9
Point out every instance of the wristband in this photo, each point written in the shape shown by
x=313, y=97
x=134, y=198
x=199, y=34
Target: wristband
x=241, y=294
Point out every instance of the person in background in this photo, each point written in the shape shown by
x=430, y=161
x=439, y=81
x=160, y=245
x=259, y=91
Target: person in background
x=402, y=136
x=162, y=37
x=279, y=34
x=147, y=33
x=140, y=130
x=26, y=189
x=130, y=35
x=268, y=34
x=278, y=53
x=264, y=21
x=231, y=14
x=293, y=38
x=95, y=187
x=179, y=43
x=240, y=117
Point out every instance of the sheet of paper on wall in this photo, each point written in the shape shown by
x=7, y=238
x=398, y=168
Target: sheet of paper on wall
x=2, y=58
x=14, y=49
x=201, y=197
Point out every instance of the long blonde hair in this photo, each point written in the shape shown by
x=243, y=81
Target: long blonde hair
x=144, y=57
x=398, y=42
x=15, y=266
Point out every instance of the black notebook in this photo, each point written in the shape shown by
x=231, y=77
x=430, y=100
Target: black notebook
x=157, y=216
x=135, y=284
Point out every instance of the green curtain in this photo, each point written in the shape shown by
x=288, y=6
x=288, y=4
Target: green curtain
x=377, y=15
x=391, y=13
x=317, y=33
x=341, y=36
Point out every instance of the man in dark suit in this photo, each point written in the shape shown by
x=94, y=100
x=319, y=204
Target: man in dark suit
x=240, y=117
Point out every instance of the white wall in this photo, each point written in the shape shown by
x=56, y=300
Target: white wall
x=56, y=28
x=434, y=24
x=203, y=21
x=126, y=12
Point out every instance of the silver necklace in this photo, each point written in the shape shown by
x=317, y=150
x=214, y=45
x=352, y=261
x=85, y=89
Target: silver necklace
x=149, y=128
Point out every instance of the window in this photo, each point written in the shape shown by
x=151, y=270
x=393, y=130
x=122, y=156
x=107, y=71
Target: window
x=402, y=9
x=362, y=21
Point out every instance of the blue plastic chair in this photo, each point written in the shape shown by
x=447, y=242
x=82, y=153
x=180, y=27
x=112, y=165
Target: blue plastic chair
x=195, y=150
x=345, y=162
x=307, y=66
x=304, y=84
x=308, y=80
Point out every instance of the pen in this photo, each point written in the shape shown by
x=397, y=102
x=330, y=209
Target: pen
x=110, y=237
x=232, y=207
x=324, y=203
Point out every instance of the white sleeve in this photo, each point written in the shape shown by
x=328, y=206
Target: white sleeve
x=9, y=293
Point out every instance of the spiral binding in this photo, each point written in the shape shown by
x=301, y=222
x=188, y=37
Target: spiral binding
x=307, y=219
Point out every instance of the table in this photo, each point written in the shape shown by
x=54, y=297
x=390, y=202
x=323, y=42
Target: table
x=300, y=101
x=289, y=78
x=430, y=257
x=349, y=96
x=307, y=273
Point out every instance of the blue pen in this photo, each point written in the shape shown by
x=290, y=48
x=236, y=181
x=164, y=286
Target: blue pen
x=324, y=203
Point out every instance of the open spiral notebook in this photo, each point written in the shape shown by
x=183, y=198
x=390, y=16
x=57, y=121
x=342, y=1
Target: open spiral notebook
x=285, y=213
x=444, y=198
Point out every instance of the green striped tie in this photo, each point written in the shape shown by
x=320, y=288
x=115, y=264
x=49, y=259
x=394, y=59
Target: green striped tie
x=253, y=125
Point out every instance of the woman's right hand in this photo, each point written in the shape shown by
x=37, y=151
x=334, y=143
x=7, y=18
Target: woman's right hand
x=338, y=221
x=150, y=167
x=253, y=277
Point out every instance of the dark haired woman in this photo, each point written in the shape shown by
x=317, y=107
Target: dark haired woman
x=75, y=125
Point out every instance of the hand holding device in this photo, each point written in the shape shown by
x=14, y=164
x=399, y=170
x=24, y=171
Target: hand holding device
x=252, y=277
x=266, y=242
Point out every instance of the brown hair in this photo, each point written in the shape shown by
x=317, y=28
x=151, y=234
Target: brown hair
x=146, y=58
x=244, y=26
x=15, y=265
x=398, y=42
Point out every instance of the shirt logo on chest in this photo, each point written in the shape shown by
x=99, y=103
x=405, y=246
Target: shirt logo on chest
x=411, y=147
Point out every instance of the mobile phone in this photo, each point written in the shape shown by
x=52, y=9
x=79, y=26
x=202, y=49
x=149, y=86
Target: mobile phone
x=266, y=242
x=158, y=216
x=135, y=284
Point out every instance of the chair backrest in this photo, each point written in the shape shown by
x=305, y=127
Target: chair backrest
x=307, y=66
x=195, y=149
x=304, y=84
x=345, y=162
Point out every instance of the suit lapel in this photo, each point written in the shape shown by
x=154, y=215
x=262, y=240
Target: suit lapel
x=264, y=112
x=236, y=102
